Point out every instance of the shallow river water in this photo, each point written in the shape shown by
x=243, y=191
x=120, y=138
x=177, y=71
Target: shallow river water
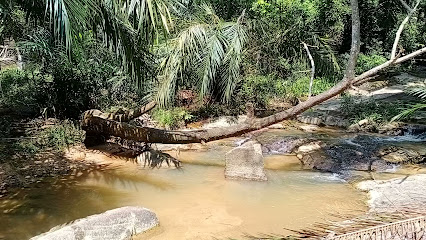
x=195, y=202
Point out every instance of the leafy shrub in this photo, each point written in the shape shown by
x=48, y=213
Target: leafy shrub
x=375, y=111
x=61, y=136
x=235, y=108
x=57, y=138
x=17, y=88
x=67, y=85
x=259, y=89
x=300, y=87
x=171, y=118
x=367, y=62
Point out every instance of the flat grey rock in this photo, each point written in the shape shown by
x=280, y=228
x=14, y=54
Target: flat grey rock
x=396, y=194
x=245, y=162
x=117, y=224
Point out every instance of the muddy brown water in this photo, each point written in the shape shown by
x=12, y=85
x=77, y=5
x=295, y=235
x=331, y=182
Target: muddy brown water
x=195, y=202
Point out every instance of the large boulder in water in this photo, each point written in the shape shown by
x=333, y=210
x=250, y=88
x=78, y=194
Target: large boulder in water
x=283, y=145
x=396, y=194
x=357, y=154
x=116, y=224
x=245, y=162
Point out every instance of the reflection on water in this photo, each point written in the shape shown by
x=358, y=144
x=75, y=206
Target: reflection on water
x=195, y=202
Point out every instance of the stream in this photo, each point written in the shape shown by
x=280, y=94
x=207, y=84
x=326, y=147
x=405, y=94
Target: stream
x=195, y=202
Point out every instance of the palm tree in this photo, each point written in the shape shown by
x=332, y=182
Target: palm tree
x=128, y=27
x=208, y=50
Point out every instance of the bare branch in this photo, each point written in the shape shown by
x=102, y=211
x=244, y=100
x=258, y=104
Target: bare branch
x=409, y=9
x=401, y=28
x=313, y=68
x=410, y=56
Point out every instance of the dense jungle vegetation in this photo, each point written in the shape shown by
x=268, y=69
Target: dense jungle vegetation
x=197, y=59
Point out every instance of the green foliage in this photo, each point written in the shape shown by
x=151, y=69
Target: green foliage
x=61, y=136
x=211, y=110
x=17, y=89
x=420, y=93
x=300, y=87
x=56, y=138
x=368, y=61
x=172, y=118
x=206, y=54
x=12, y=22
x=260, y=89
x=64, y=87
x=377, y=112
x=279, y=28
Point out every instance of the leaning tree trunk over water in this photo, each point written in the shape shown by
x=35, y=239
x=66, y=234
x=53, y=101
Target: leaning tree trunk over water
x=97, y=125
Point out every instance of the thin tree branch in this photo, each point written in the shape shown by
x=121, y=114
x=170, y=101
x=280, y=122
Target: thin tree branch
x=409, y=9
x=401, y=28
x=313, y=68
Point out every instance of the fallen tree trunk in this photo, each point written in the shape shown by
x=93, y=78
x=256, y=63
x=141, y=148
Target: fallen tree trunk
x=99, y=126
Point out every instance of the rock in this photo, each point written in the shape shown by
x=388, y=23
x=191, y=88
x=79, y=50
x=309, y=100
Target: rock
x=309, y=147
x=319, y=161
x=357, y=154
x=309, y=128
x=363, y=122
x=284, y=145
x=354, y=128
x=323, y=118
x=415, y=130
x=392, y=129
x=245, y=162
x=116, y=224
x=276, y=126
x=396, y=194
x=225, y=121
x=395, y=154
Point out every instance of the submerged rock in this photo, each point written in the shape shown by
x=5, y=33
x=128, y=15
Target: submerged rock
x=284, y=145
x=395, y=154
x=357, y=154
x=117, y=224
x=245, y=162
x=396, y=194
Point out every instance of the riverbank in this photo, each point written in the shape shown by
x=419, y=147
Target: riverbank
x=23, y=172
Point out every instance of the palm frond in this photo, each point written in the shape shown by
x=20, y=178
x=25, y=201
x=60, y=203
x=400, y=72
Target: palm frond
x=419, y=92
x=409, y=111
x=67, y=17
x=210, y=47
x=231, y=73
x=187, y=48
x=211, y=62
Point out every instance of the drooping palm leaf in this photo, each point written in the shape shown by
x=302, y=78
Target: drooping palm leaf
x=419, y=92
x=231, y=73
x=211, y=48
